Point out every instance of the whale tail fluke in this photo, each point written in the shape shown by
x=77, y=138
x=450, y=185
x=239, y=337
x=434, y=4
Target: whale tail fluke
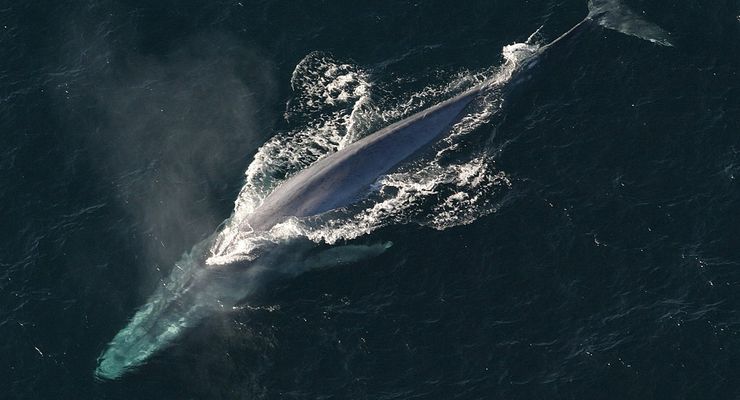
x=612, y=14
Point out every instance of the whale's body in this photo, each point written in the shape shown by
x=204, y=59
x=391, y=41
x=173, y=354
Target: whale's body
x=194, y=291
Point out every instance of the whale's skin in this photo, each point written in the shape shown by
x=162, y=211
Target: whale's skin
x=336, y=180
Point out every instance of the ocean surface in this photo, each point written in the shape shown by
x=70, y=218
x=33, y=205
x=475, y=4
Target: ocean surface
x=576, y=237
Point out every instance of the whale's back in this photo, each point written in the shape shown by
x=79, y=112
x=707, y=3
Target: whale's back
x=336, y=180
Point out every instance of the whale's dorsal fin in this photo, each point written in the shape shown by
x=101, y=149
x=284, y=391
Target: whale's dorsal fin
x=612, y=14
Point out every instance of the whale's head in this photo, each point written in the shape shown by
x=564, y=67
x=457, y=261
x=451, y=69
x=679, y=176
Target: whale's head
x=192, y=292
x=177, y=304
x=148, y=331
x=195, y=290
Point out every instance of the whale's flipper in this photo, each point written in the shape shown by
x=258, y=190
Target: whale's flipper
x=341, y=255
x=612, y=14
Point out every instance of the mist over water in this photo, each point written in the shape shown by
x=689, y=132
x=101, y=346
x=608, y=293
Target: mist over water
x=575, y=237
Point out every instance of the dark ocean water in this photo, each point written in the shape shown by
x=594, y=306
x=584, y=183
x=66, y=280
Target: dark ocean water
x=610, y=269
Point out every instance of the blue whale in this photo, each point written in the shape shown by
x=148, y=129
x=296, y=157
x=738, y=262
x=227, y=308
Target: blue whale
x=195, y=290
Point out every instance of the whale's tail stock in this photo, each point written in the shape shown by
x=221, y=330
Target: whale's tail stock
x=615, y=15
